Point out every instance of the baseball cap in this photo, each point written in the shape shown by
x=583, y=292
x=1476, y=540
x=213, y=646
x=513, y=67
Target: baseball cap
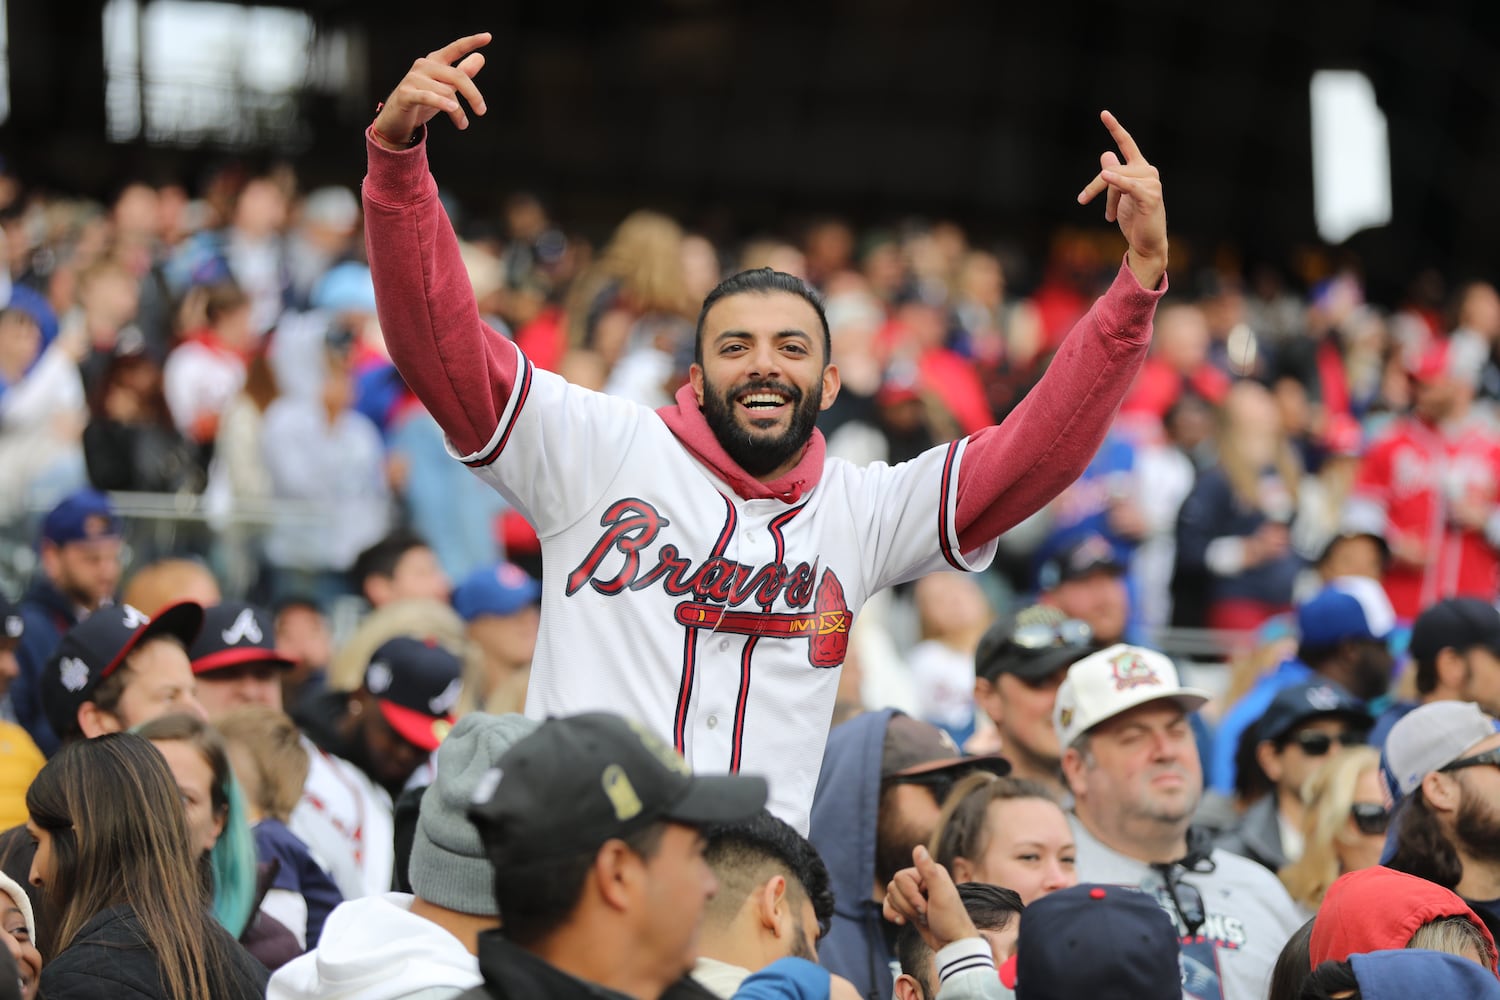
x=84, y=515
x=1114, y=680
x=1034, y=644
x=1428, y=738
x=502, y=589
x=449, y=865
x=1458, y=623
x=234, y=634
x=12, y=625
x=1292, y=706
x=584, y=779
x=1350, y=607
x=1357, y=914
x=347, y=287
x=1101, y=942
x=93, y=649
x=1089, y=554
x=416, y=685
x=913, y=748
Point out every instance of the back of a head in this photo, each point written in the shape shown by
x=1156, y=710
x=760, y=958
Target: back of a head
x=990, y=907
x=269, y=759
x=1100, y=942
x=168, y=581
x=1377, y=909
x=744, y=855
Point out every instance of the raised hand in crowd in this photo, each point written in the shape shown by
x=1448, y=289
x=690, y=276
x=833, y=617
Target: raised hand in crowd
x=431, y=87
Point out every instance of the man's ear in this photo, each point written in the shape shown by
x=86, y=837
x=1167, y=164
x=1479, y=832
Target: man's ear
x=94, y=721
x=1073, y=770
x=1269, y=760
x=987, y=697
x=695, y=379
x=617, y=875
x=1442, y=792
x=831, y=384
x=908, y=988
x=771, y=907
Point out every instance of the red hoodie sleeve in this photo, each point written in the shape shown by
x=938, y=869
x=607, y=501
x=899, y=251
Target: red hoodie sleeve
x=1012, y=470
x=460, y=369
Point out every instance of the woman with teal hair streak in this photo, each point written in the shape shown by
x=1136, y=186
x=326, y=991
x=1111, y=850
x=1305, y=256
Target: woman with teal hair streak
x=220, y=832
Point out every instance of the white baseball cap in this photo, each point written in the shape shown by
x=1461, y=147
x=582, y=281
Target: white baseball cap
x=1428, y=738
x=1115, y=680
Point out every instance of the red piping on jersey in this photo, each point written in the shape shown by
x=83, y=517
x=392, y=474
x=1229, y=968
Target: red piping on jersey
x=521, y=393
x=690, y=647
x=943, y=543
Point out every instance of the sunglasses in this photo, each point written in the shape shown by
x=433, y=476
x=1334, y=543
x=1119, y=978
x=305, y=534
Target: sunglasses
x=1186, y=899
x=1318, y=744
x=1486, y=759
x=1037, y=636
x=1370, y=818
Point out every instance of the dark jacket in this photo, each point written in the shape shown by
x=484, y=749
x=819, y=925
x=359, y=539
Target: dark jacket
x=110, y=958
x=48, y=614
x=844, y=812
x=1210, y=511
x=513, y=973
x=1257, y=835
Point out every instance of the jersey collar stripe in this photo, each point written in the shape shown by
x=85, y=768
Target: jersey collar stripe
x=523, y=390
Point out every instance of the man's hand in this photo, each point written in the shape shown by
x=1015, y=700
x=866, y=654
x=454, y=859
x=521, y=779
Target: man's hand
x=1134, y=202
x=433, y=84
x=926, y=896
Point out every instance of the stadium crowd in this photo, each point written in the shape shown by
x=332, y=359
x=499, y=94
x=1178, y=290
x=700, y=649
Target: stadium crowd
x=213, y=785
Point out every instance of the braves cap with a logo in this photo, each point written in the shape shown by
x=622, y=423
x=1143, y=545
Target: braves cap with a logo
x=82, y=516
x=1105, y=942
x=1301, y=703
x=93, y=649
x=416, y=685
x=1427, y=738
x=12, y=625
x=1115, y=680
x=500, y=590
x=235, y=634
x=584, y=779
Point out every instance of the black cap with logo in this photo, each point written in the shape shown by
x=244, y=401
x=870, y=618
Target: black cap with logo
x=579, y=781
x=416, y=684
x=235, y=634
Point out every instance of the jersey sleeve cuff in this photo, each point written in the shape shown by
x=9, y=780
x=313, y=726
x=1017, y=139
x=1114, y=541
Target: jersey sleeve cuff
x=963, y=955
x=396, y=177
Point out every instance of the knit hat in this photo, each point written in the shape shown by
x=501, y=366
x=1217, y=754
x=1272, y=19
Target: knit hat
x=1379, y=908
x=448, y=863
x=13, y=889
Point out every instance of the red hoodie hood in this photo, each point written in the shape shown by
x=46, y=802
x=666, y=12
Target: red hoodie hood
x=687, y=423
x=1379, y=909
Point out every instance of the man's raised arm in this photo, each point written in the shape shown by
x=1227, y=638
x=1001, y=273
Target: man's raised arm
x=460, y=369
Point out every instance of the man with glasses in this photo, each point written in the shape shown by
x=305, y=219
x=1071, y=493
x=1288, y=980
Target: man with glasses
x=1017, y=669
x=885, y=776
x=1303, y=725
x=1441, y=764
x=1132, y=764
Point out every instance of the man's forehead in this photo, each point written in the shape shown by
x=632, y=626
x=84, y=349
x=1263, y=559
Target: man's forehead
x=1162, y=710
x=762, y=312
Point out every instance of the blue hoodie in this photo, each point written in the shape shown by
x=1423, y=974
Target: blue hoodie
x=844, y=812
x=1410, y=974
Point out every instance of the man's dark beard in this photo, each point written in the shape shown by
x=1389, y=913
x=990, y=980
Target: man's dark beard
x=760, y=455
x=895, y=837
x=1477, y=827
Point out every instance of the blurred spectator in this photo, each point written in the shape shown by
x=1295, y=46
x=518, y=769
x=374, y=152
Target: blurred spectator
x=20, y=760
x=1428, y=485
x=501, y=606
x=1233, y=529
x=103, y=320
x=238, y=478
x=400, y=567
x=1103, y=942
x=1020, y=663
x=884, y=778
x=235, y=660
x=170, y=581
x=42, y=413
x=1005, y=831
x=1166, y=467
x=322, y=233
x=1299, y=728
x=1455, y=653
x=79, y=570
x=952, y=615
x=131, y=443
x=1086, y=581
x=115, y=858
x=206, y=371
x=304, y=638
x=1344, y=824
x=271, y=766
x=1178, y=364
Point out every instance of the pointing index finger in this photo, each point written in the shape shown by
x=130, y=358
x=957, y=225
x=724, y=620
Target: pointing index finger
x=456, y=50
x=1122, y=138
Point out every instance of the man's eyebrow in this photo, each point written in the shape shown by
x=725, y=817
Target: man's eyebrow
x=745, y=334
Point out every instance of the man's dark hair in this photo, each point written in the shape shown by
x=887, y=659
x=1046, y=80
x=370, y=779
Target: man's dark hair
x=1332, y=979
x=381, y=558
x=763, y=281
x=535, y=898
x=991, y=907
x=1315, y=654
x=744, y=855
x=1422, y=848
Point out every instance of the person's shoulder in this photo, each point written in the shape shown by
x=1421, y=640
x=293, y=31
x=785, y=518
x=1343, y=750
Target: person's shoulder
x=1241, y=872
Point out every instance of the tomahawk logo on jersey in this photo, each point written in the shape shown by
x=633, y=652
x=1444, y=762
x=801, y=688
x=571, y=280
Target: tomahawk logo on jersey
x=720, y=619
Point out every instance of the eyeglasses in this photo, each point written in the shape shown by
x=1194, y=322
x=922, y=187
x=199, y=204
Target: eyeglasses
x=1370, y=818
x=1186, y=899
x=1037, y=636
x=1318, y=744
x=1487, y=759
x=939, y=783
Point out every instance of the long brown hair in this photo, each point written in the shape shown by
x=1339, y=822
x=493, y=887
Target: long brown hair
x=119, y=837
x=961, y=831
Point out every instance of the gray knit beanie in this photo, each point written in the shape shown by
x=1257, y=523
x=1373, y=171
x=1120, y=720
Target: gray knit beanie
x=448, y=863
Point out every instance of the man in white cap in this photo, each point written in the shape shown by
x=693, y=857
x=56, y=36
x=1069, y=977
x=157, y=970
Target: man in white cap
x=1441, y=763
x=1131, y=762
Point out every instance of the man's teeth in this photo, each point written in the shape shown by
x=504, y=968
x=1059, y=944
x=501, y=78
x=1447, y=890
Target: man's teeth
x=763, y=399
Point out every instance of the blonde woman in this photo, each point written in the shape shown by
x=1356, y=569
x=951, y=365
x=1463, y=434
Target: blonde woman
x=1344, y=824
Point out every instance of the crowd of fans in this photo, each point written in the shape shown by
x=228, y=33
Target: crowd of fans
x=1309, y=477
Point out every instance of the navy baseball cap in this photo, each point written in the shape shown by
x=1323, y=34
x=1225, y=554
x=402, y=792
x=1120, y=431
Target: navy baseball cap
x=1459, y=623
x=502, y=589
x=93, y=649
x=1096, y=941
x=12, y=625
x=416, y=685
x=81, y=516
x=1090, y=554
x=1350, y=607
x=1034, y=644
x=235, y=634
x=1292, y=706
x=582, y=780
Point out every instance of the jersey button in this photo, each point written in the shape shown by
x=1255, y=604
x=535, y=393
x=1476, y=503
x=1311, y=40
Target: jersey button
x=724, y=645
x=713, y=722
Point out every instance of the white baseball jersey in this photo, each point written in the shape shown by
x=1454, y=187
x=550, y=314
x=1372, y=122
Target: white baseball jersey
x=718, y=621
